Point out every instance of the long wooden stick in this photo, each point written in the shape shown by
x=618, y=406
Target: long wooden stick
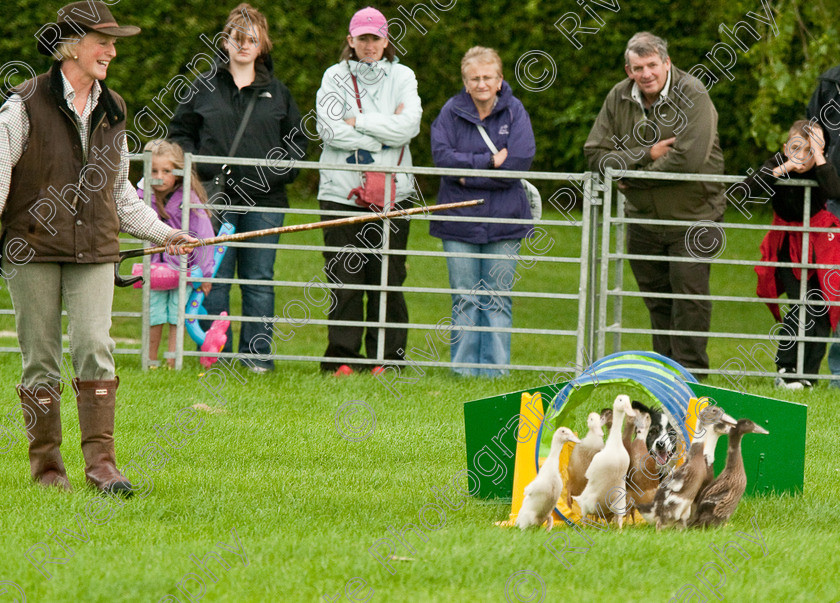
x=243, y=236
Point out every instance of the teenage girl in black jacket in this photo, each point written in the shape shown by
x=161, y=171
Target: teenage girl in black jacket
x=206, y=124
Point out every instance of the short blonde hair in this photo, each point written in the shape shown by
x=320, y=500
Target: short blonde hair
x=245, y=18
x=480, y=54
x=66, y=51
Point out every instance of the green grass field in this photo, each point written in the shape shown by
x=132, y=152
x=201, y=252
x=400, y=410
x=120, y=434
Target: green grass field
x=273, y=482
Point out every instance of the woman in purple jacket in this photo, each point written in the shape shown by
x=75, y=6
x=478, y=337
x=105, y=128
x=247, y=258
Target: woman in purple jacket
x=486, y=101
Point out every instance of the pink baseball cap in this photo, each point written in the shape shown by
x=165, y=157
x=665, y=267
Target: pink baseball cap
x=369, y=21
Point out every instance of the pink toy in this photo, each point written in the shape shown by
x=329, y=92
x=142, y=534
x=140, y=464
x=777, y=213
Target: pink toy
x=163, y=277
x=214, y=340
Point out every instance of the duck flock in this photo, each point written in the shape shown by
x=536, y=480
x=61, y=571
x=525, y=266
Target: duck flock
x=624, y=474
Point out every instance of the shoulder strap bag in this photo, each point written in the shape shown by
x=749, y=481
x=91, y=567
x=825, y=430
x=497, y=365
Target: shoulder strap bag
x=371, y=194
x=531, y=192
x=217, y=184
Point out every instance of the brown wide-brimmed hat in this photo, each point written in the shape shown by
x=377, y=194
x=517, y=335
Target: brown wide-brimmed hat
x=79, y=18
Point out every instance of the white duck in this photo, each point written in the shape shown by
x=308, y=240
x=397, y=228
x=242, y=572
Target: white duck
x=608, y=467
x=582, y=455
x=541, y=495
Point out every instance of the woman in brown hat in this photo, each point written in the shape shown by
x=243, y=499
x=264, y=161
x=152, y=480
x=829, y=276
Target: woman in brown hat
x=64, y=198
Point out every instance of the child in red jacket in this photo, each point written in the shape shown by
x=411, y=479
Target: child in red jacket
x=804, y=159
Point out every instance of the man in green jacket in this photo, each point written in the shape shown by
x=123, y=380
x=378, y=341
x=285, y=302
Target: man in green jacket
x=661, y=119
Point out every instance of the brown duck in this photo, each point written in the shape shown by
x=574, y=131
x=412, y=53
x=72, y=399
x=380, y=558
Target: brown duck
x=674, y=498
x=718, y=501
x=640, y=486
x=627, y=434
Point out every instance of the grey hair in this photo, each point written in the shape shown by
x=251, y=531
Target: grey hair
x=644, y=44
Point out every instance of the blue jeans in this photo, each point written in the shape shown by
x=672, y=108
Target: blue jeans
x=473, y=309
x=834, y=359
x=257, y=300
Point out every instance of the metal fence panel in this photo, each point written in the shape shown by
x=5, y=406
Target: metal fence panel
x=611, y=286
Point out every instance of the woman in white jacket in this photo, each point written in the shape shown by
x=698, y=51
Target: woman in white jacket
x=368, y=112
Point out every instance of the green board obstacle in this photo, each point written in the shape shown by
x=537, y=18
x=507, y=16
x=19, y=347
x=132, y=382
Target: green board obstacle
x=774, y=464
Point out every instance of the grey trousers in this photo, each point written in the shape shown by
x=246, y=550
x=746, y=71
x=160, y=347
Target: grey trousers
x=87, y=290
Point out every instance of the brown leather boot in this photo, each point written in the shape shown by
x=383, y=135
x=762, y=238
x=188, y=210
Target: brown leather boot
x=96, y=401
x=42, y=414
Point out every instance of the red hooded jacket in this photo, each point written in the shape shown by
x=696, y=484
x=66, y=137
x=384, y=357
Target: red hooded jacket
x=823, y=248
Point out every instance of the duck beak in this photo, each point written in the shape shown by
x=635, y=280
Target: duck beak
x=728, y=420
x=761, y=430
x=574, y=439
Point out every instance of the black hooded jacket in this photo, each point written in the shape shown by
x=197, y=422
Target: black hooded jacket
x=825, y=107
x=207, y=125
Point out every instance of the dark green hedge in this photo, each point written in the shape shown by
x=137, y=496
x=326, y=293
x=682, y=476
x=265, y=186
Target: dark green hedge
x=770, y=87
